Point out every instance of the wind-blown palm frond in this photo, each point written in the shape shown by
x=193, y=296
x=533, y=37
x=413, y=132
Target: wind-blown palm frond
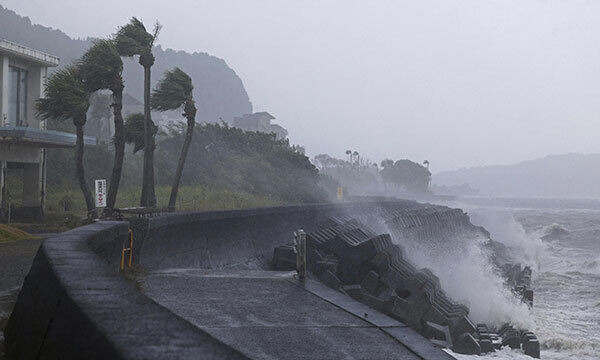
x=101, y=66
x=172, y=91
x=157, y=28
x=133, y=39
x=134, y=131
x=65, y=96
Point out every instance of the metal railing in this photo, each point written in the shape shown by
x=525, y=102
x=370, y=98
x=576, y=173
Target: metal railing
x=27, y=52
x=127, y=250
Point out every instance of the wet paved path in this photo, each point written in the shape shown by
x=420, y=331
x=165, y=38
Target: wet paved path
x=15, y=260
x=270, y=315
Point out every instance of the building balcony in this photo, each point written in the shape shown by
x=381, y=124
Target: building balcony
x=27, y=53
x=33, y=137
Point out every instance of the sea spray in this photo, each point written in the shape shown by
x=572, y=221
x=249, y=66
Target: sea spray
x=563, y=244
x=467, y=274
x=526, y=249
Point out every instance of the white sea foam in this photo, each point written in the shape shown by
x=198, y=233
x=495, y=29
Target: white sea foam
x=567, y=283
x=505, y=353
x=468, y=276
x=592, y=267
x=562, y=248
x=527, y=249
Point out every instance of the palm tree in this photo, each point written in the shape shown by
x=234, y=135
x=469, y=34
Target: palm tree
x=173, y=92
x=132, y=39
x=66, y=97
x=101, y=67
x=134, y=131
x=426, y=163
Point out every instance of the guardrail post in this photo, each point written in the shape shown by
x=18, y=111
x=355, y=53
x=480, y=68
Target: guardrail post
x=300, y=247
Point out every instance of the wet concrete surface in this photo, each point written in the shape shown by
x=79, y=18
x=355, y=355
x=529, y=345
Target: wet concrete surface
x=270, y=315
x=15, y=260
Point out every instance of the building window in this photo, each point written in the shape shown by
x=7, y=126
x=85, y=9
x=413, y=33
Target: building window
x=17, y=96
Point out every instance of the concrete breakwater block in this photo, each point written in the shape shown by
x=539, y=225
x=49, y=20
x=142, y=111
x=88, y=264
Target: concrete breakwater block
x=519, y=279
x=350, y=257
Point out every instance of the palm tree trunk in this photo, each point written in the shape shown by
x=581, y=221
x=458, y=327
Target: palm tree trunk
x=119, y=142
x=92, y=213
x=148, y=195
x=191, y=121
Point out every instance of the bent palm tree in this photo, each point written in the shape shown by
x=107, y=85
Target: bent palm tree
x=133, y=39
x=101, y=67
x=66, y=97
x=173, y=92
x=134, y=131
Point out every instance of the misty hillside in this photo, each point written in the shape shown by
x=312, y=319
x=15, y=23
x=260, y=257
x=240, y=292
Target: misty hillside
x=218, y=91
x=568, y=175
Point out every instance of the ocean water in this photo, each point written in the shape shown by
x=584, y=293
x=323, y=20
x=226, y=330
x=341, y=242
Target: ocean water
x=560, y=239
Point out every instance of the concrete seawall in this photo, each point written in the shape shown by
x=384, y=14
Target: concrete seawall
x=74, y=304
x=246, y=238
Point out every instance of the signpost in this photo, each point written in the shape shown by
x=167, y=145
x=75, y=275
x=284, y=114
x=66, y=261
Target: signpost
x=101, y=193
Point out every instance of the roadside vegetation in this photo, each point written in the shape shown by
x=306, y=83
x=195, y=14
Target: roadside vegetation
x=10, y=233
x=221, y=162
x=196, y=197
x=53, y=222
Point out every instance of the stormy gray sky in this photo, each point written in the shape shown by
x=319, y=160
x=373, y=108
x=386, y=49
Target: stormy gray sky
x=461, y=83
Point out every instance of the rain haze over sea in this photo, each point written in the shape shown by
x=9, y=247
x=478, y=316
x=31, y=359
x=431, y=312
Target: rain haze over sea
x=561, y=240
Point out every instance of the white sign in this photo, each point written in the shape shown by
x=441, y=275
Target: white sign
x=101, y=193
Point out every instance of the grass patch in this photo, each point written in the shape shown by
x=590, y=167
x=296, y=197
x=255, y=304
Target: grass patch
x=190, y=198
x=53, y=222
x=65, y=206
x=10, y=233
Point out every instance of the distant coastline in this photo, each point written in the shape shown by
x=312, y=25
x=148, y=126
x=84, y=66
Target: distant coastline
x=566, y=176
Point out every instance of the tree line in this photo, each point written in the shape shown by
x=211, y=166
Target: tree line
x=362, y=176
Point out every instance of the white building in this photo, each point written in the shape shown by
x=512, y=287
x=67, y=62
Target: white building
x=260, y=121
x=23, y=136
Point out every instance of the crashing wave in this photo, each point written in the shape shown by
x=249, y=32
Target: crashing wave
x=554, y=231
x=373, y=269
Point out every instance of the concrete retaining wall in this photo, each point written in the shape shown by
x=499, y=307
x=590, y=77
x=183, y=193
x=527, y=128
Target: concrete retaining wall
x=236, y=239
x=73, y=305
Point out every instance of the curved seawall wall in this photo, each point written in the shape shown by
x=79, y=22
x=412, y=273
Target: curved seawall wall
x=74, y=303
x=246, y=238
